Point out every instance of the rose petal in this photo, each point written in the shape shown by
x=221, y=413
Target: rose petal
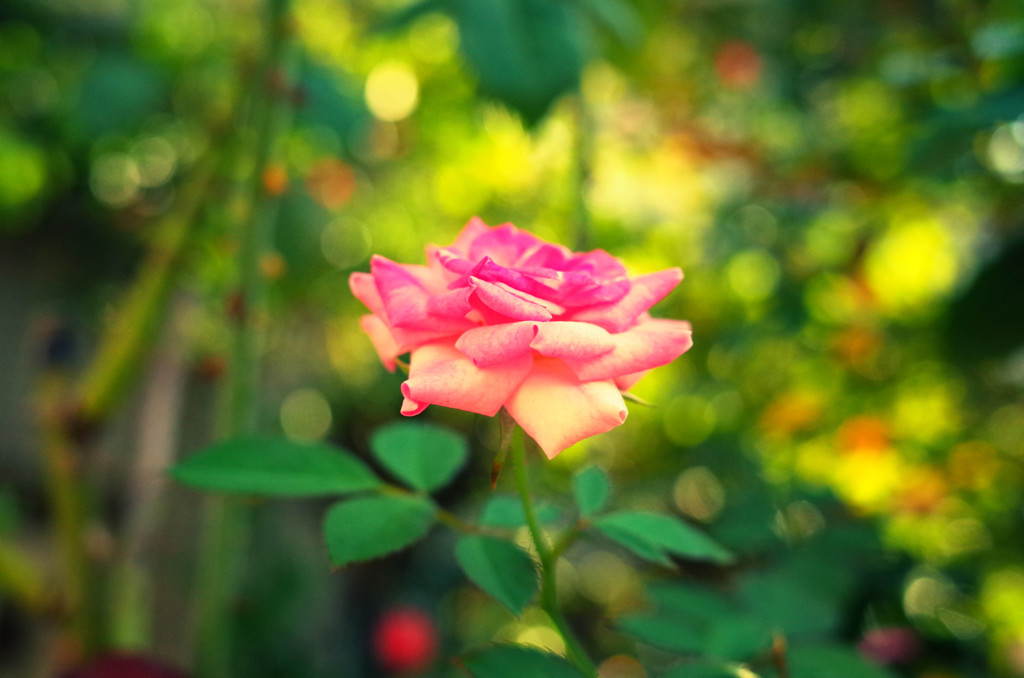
x=548, y=256
x=557, y=410
x=405, y=299
x=505, y=244
x=487, y=269
x=628, y=381
x=644, y=292
x=495, y=344
x=451, y=304
x=581, y=341
x=473, y=229
x=499, y=304
x=440, y=375
x=365, y=290
x=652, y=343
x=410, y=408
x=383, y=341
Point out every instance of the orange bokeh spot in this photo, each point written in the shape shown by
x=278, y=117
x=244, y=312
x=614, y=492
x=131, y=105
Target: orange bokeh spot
x=863, y=434
x=791, y=413
x=738, y=65
x=272, y=265
x=331, y=182
x=275, y=180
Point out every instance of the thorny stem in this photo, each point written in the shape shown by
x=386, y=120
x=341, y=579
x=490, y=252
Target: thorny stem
x=548, y=560
x=226, y=521
x=67, y=499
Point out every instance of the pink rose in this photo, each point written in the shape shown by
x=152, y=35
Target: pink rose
x=503, y=319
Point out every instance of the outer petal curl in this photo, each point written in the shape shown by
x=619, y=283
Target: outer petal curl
x=440, y=375
x=387, y=348
x=557, y=410
x=365, y=290
x=652, y=343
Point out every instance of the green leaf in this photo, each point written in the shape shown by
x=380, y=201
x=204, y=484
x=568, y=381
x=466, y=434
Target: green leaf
x=500, y=568
x=690, y=602
x=617, y=17
x=518, y=661
x=591, y=489
x=654, y=535
x=674, y=635
x=275, y=467
x=422, y=455
x=525, y=53
x=703, y=668
x=638, y=545
x=405, y=17
x=832, y=661
x=507, y=511
x=371, y=527
x=739, y=637
x=785, y=603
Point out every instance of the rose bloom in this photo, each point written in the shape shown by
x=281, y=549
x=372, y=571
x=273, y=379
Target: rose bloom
x=503, y=319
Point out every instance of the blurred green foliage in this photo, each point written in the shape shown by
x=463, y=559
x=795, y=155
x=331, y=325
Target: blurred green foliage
x=840, y=181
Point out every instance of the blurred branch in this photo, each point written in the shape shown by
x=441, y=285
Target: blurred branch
x=66, y=425
x=226, y=520
x=129, y=337
x=68, y=502
x=582, y=168
x=21, y=579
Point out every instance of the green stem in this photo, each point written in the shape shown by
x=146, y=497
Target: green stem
x=226, y=522
x=548, y=561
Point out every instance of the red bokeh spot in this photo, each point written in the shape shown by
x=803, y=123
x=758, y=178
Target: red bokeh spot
x=405, y=640
x=738, y=65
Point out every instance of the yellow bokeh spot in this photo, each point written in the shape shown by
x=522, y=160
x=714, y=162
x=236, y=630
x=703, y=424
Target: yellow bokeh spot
x=607, y=579
x=305, y=415
x=326, y=29
x=815, y=461
x=698, y=493
x=868, y=481
x=114, y=179
x=533, y=629
x=913, y=264
x=392, y=91
x=753, y=275
x=926, y=409
x=1002, y=598
x=22, y=171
